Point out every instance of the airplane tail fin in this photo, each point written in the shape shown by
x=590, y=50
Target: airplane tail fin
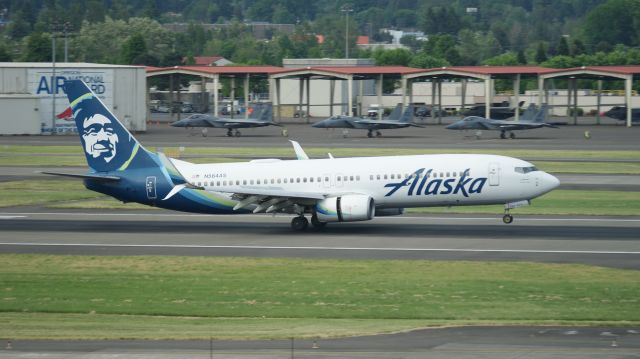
x=266, y=113
x=256, y=111
x=407, y=114
x=395, y=113
x=107, y=144
x=529, y=114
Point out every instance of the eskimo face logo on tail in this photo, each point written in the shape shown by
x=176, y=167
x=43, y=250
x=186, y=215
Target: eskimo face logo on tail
x=99, y=137
x=422, y=183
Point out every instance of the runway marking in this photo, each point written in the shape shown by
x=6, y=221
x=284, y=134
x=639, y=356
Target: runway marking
x=378, y=249
x=11, y=217
x=280, y=215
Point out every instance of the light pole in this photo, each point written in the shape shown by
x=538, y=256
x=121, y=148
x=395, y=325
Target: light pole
x=346, y=9
x=55, y=28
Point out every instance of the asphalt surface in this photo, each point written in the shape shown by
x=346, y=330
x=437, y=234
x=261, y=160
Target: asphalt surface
x=604, y=137
x=465, y=342
x=612, y=242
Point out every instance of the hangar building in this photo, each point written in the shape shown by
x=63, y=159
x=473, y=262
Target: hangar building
x=27, y=95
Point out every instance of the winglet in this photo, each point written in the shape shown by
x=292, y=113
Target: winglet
x=299, y=151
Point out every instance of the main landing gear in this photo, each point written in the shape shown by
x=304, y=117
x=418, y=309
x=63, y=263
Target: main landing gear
x=370, y=134
x=301, y=223
x=503, y=135
x=507, y=218
x=231, y=133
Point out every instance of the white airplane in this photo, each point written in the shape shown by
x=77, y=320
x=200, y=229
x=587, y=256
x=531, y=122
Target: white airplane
x=329, y=190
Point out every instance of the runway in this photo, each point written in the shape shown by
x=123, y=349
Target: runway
x=612, y=242
x=463, y=342
x=433, y=136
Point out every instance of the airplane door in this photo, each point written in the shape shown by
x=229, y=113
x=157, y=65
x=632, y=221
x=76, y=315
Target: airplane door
x=150, y=184
x=494, y=174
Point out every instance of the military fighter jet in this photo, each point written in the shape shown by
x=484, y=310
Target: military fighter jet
x=260, y=117
x=495, y=112
x=531, y=118
x=620, y=113
x=393, y=121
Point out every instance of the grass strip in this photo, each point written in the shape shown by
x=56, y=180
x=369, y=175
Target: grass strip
x=41, y=192
x=399, y=294
x=112, y=327
x=561, y=202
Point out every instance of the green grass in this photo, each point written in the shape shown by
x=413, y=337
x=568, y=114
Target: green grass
x=102, y=203
x=561, y=202
x=306, y=292
x=33, y=192
x=589, y=167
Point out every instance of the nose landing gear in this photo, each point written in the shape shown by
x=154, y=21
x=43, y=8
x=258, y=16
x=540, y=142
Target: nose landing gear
x=507, y=218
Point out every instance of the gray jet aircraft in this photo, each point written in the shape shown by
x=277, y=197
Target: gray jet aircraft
x=620, y=113
x=260, y=117
x=394, y=120
x=531, y=118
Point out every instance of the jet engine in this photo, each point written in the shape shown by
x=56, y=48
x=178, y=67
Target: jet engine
x=347, y=208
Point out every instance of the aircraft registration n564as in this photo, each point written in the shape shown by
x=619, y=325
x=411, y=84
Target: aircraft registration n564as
x=329, y=190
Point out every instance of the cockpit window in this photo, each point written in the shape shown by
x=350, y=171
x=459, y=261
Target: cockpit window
x=526, y=169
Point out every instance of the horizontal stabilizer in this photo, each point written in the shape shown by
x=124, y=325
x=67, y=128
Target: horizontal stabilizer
x=85, y=176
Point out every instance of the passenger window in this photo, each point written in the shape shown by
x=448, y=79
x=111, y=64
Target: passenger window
x=441, y=174
x=304, y=179
x=285, y=180
x=385, y=176
x=378, y=177
x=319, y=179
x=393, y=176
x=447, y=174
x=357, y=178
x=224, y=183
x=310, y=179
x=298, y=180
x=279, y=181
x=326, y=179
x=338, y=179
x=370, y=177
x=237, y=182
x=290, y=180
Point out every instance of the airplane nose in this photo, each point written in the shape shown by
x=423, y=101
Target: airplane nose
x=320, y=124
x=452, y=126
x=549, y=182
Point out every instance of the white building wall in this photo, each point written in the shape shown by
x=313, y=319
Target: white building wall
x=19, y=115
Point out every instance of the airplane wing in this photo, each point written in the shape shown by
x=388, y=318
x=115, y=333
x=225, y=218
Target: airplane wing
x=388, y=123
x=525, y=126
x=249, y=122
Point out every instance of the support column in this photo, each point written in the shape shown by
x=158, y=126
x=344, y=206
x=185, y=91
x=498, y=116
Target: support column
x=300, y=97
x=569, y=84
x=350, y=95
x=332, y=94
x=439, y=101
x=170, y=97
x=246, y=97
x=575, y=101
x=433, y=97
x=464, y=96
x=379, y=93
x=360, y=96
x=598, y=101
x=628, y=84
x=540, y=89
x=179, y=100
x=233, y=96
x=410, y=89
x=203, y=91
x=308, y=114
x=403, y=88
x=279, y=108
x=516, y=92
x=216, y=85
x=487, y=97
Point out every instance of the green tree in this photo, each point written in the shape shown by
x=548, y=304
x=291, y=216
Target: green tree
x=133, y=49
x=521, y=58
x=614, y=22
x=541, y=54
x=395, y=57
x=95, y=11
x=37, y=48
x=507, y=59
x=5, y=55
x=425, y=61
x=563, y=47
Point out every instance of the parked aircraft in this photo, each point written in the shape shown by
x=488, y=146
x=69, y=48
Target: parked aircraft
x=260, y=117
x=531, y=118
x=395, y=120
x=620, y=113
x=496, y=112
x=329, y=190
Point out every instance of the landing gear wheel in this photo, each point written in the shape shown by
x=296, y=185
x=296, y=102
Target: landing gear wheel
x=503, y=135
x=204, y=132
x=316, y=223
x=507, y=218
x=299, y=223
x=369, y=134
x=512, y=135
x=378, y=134
x=229, y=133
x=238, y=133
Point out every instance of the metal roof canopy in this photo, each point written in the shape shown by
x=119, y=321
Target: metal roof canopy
x=215, y=73
x=485, y=73
x=626, y=73
x=345, y=73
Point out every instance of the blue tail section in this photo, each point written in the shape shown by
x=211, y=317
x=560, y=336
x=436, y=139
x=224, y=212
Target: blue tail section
x=407, y=114
x=107, y=144
x=395, y=113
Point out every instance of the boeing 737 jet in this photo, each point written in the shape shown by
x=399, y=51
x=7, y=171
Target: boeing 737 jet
x=260, y=117
x=327, y=190
x=393, y=121
x=531, y=118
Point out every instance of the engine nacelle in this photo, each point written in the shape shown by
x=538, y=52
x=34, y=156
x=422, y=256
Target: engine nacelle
x=386, y=212
x=347, y=208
